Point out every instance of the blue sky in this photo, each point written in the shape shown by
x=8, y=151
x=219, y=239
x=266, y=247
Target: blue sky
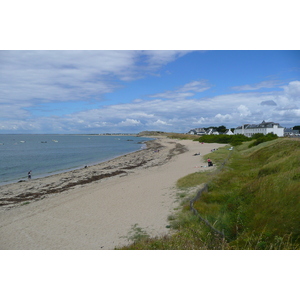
x=131, y=91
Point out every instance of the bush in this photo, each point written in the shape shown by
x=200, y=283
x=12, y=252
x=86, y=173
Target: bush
x=237, y=139
x=234, y=140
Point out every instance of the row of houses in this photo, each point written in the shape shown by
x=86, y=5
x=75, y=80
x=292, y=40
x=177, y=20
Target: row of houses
x=251, y=129
x=209, y=131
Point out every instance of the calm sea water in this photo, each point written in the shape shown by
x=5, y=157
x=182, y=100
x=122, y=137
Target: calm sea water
x=49, y=154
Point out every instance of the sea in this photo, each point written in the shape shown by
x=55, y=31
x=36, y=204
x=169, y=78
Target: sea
x=47, y=154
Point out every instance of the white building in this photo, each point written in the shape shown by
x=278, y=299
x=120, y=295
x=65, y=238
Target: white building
x=264, y=128
x=198, y=131
x=212, y=131
x=209, y=131
x=291, y=132
x=228, y=132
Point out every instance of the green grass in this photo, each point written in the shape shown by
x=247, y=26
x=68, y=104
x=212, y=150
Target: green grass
x=136, y=234
x=258, y=195
x=193, y=180
x=188, y=235
x=254, y=199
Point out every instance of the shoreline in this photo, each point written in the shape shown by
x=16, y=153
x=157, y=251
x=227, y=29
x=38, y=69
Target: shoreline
x=12, y=199
x=62, y=171
x=46, y=171
x=98, y=207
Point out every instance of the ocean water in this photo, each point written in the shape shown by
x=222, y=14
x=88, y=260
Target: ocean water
x=50, y=154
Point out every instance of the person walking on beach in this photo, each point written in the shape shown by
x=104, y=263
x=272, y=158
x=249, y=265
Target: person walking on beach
x=29, y=175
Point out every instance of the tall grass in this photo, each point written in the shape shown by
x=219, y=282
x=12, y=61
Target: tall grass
x=258, y=195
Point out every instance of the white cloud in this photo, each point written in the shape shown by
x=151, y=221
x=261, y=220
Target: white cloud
x=196, y=86
x=219, y=118
x=292, y=91
x=188, y=90
x=180, y=114
x=28, y=78
x=200, y=121
x=244, y=111
x=172, y=95
x=257, y=86
x=130, y=122
x=160, y=122
x=16, y=113
x=157, y=58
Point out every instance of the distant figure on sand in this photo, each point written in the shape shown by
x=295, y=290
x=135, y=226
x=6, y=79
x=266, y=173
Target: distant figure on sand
x=209, y=162
x=29, y=175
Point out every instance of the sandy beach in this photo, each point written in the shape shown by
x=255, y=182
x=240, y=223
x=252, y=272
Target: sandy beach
x=96, y=207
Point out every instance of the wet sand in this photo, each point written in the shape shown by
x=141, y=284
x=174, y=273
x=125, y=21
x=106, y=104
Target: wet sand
x=96, y=207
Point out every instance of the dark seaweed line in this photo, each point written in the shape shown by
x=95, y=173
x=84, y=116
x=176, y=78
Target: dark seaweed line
x=33, y=196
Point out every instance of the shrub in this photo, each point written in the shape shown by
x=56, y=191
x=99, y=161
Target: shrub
x=234, y=140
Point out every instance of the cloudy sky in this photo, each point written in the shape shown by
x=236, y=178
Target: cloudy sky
x=131, y=91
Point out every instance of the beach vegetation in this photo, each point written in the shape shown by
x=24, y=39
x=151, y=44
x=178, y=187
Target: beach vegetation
x=237, y=139
x=137, y=234
x=192, y=180
x=233, y=140
x=171, y=135
x=252, y=198
x=261, y=138
x=181, y=136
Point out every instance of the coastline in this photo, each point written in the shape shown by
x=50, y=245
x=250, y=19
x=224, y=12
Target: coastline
x=15, y=193
x=68, y=170
x=96, y=207
x=46, y=165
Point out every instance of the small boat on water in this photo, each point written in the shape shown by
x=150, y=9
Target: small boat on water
x=22, y=142
x=55, y=141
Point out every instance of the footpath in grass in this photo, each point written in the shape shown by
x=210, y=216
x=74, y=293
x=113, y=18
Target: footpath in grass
x=254, y=199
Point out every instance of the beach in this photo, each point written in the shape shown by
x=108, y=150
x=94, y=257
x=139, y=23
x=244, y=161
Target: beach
x=97, y=207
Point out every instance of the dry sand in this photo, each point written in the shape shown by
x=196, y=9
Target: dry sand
x=97, y=207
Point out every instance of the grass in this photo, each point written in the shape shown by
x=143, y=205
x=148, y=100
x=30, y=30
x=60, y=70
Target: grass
x=188, y=235
x=170, y=135
x=254, y=199
x=257, y=195
x=192, y=180
x=136, y=234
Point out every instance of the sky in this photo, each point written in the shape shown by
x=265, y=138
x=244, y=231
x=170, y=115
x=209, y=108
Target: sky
x=126, y=91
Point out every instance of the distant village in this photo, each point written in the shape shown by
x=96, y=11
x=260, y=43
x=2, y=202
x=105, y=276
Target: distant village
x=249, y=130
x=245, y=129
